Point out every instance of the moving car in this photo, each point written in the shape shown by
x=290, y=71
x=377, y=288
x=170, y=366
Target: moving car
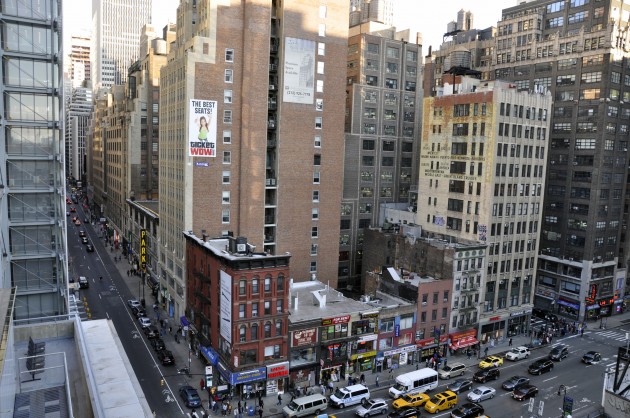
x=144, y=321
x=166, y=357
x=491, y=361
x=452, y=370
x=481, y=393
x=460, y=385
x=540, y=366
x=158, y=344
x=559, y=352
x=517, y=353
x=468, y=410
x=412, y=399
x=441, y=401
x=84, y=283
x=525, y=392
x=349, y=395
x=72, y=209
x=89, y=248
x=77, y=222
x=407, y=412
x=82, y=233
x=85, y=240
x=591, y=357
x=484, y=375
x=151, y=331
x=190, y=396
x=515, y=382
x=370, y=407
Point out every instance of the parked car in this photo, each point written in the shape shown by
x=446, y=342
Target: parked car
x=559, y=352
x=468, y=410
x=525, y=392
x=190, y=396
x=452, y=370
x=460, y=385
x=85, y=240
x=157, y=344
x=138, y=311
x=84, y=283
x=441, y=402
x=518, y=353
x=515, y=382
x=481, y=393
x=591, y=357
x=82, y=233
x=491, y=361
x=89, y=248
x=144, y=321
x=166, y=357
x=151, y=331
x=540, y=366
x=370, y=407
x=411, y=400
x=407, y=412
x=133, y=302
x=484, y=375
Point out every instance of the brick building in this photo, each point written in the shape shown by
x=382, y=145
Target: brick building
x=238, y=312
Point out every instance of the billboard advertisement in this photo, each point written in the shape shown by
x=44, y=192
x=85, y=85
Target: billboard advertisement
x=202, y=128
x=225, y=307
x=299, y=71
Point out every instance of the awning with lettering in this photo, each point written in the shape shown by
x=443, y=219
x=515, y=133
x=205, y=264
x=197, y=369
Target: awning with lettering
x=463, y=342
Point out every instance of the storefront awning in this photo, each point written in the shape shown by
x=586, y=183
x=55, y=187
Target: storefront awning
x=463, y=343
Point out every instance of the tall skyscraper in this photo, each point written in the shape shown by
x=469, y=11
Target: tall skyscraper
x=363, y=11
x=79, y=66
x=244, y=150
x=578, y=51
x=32, y=175
x=116, y=32
x=78, y=117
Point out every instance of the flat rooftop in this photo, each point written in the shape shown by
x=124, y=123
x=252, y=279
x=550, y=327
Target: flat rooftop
x=326, y=304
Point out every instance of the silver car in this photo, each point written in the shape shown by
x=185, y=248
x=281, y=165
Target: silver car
x=371, y=407
x=481, y=393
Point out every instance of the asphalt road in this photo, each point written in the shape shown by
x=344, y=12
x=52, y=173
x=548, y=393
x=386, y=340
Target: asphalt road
x=107, y=299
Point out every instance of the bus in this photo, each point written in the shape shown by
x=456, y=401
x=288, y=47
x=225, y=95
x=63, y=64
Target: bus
x=421, y=380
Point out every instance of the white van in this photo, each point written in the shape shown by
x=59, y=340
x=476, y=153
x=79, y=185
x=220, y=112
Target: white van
x=306, y=405
x=417, y=381
x=349, y=395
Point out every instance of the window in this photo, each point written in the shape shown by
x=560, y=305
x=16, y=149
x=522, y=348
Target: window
x=316, y=177
x=278, y=328
x=229, y=55
x=249, y=356
x=255, y=286
x=371, y=80
x=267, y=285
x=314, y=213
x=267, y=331
x=242, y=286
x=314, y=232
x=318, y=122
x=227, y=137
x=319, y=86
x=267, y=306
x=225, y=216
x=255, y=310
x=227, y=157
x=321, y=48
x=241, y=310
x=280, y=283
x=317, y=141
x=227, y=116
x=242, y=333
x=254, y=331
x=228, y=76
x=322, y=12
x=225, y=197
x=226, y=177
x=315, y=195
x=391, y=83
x=313, y=268
x=227, y=96
x=322, y=29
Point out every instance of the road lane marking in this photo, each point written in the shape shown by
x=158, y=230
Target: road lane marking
x=551, y=378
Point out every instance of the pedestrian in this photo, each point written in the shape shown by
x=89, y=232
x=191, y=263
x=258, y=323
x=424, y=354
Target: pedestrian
x=467, y=353
x=260, y=412
x=154, y=413
x=485, y=352
x=322, y=389
x=170, y=329
x=279, y=399
x=224, y=409
x=202, y=384
x=331, y=386
x=260, y=402
x=445, y=361
x=510, y=342
x=377, y=385
x=362, y=378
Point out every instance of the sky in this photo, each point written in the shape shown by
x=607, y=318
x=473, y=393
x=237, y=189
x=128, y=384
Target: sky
x=414, y=14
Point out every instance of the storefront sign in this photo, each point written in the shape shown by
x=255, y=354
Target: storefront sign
x=549, y=294
x=427, y=342
x=336, y=320
x=371, y=314
x=400, y=350
x=462, y=334
x=209, y=353
x=304, y=337
x=363, y=355
x=244, y=376
x=366, y=338
x=519, y=313
x=278, y=371
x=494, y=318
x=143, y=249
x=568, y=303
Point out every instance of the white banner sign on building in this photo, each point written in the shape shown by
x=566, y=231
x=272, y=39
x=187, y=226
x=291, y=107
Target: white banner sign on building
x=202, y=128
x=225, y=307
x=299, y=71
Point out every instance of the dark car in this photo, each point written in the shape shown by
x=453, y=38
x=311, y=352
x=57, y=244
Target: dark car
x=515, y=382
x=81, y=233
x=407, y=412
x=158, y=344
x=151, y=332
x=85, y=240
x=468, y=410
x=592, y=357
x=138, y=311
x=559, y=352
x=89, y=248
x=483, y=375
x=525, y=392
x=190, y=396
x=540, y=366
x=460, y=385
x=166, y=357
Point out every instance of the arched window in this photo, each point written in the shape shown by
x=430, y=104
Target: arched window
x=255, y=289
x=254, y=331
x=278, y=327
x=268, y=283
x=242, y=331
x=268, y=330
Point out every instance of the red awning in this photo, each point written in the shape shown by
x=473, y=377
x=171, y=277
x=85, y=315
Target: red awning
x=464, y=342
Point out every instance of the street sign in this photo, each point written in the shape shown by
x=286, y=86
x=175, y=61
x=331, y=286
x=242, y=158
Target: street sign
x=567, y=406
x=541, y=407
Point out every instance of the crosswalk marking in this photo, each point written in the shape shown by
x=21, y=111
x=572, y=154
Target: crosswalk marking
x=617, y=335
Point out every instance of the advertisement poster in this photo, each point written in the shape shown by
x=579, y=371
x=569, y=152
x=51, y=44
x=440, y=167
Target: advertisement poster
x=225, y=307
x=299, y=71
x=202, y=128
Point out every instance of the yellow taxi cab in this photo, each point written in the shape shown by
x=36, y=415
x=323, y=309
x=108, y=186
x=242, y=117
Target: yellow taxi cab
x=441, y=401
x=411, y=399
x=491, y=361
